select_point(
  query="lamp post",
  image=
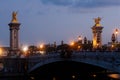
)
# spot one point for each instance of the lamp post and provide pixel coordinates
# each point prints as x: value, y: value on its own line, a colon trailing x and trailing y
x: 41, y: 46
x: 25, y: 50
x: 72, y: 43
x: 116, y: 33
x: 80, y: 39
x: 42, y: 51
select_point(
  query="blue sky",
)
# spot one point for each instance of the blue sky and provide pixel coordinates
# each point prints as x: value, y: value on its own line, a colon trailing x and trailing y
x: 46, y: 21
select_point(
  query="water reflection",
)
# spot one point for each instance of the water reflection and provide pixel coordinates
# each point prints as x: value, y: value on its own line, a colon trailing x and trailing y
x: 72, y: 77
x: 79, y: 77
x: 114, y: 76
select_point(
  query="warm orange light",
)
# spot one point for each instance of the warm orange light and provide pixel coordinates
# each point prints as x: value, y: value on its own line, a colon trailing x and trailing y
x: 78, y: 47
x: 116, y: 31
x: 73, y: 76
x: 25, y: 48
x: 94, y: 43
x: 42, y: 49
x: 115, y: 76
x: 94, y: 75
x: 41, y: 46
x: 112, y: 45
x: 72, y: 43
x: 1, y: 51
x: 97, y: 44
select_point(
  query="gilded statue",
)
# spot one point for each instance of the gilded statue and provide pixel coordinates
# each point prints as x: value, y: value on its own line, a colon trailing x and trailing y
x: 97, y: 21
x: 14, y: 17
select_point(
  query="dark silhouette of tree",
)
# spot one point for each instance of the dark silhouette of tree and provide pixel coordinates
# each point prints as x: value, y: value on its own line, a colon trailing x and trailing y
x: 64, y: 50
x: 32, y: 49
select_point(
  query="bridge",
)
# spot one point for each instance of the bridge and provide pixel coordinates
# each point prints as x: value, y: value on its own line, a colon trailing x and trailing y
x: 106, y: 60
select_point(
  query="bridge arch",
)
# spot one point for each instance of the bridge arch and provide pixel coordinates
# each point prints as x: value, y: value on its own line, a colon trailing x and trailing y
x: 66, y: 70
x: 97, y: 63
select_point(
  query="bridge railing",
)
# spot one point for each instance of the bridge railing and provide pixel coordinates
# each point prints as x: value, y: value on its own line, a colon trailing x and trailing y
x: 110, y: 57
x: 104, y: 56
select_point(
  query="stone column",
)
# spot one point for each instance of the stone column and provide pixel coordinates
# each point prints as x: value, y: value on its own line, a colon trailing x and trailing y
x: 97, y: 37
x: 14, y: 35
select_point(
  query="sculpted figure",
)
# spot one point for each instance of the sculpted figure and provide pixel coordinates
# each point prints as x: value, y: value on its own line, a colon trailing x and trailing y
x: 14, y: 17
x: 97, y: 21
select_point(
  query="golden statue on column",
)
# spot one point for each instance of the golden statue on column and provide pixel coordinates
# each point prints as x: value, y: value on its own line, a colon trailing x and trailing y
x: 97, y: 21
x: 14, y: 17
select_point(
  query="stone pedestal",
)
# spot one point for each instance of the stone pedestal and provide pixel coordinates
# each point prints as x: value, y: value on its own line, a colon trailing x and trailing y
x: 14, y: 38
x: 97, y: 38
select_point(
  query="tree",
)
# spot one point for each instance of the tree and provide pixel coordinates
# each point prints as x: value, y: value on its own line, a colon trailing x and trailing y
x: 32, y: 49
x: 65, y: 50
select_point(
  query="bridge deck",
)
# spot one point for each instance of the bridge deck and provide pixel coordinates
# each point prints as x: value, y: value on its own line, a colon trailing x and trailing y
x: 108, y: 60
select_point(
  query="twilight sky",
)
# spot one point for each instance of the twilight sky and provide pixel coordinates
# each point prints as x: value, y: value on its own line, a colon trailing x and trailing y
x: 46, y: 21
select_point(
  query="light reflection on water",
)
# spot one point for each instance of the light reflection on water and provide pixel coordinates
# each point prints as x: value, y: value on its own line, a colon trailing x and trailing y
x: 94, y: 77
x: 115, y: 76
x: 73, y: 77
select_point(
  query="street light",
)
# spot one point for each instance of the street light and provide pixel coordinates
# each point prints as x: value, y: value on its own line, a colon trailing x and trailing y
x: 25, y: 49
x: 41, y: 46
x: 80, y: 39
x: 73, y: 76
x: 72, y: 43
x: 42, y: 49
x: 116, y: 33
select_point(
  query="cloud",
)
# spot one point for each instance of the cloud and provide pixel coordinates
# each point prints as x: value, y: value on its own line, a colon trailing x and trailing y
x: 83, y: 3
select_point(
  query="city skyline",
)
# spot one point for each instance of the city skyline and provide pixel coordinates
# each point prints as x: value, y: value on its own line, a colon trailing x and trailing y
x: 45, y: 21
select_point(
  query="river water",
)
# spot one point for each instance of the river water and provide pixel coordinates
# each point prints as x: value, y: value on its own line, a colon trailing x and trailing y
x: 73, y: 77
